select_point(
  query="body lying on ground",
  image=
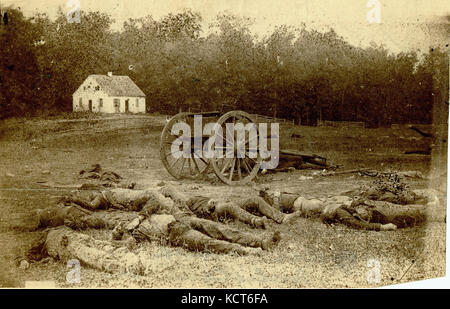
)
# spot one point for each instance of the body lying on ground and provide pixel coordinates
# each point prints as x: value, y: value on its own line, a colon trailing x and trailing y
x: 101, y: 178
x: 160, y: 219
x: 204, y: 207
x: 356, y: 212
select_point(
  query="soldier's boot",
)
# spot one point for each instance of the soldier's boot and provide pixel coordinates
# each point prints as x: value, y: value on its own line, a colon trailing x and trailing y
x: 271, y: 242
x: 171, y: 192
x: 259, y: 222
x: 289, y: 218
x: 252, y: 251
x: 118, y: 231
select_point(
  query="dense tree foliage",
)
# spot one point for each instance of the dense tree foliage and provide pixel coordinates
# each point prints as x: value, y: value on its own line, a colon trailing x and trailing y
x: 294, y: 73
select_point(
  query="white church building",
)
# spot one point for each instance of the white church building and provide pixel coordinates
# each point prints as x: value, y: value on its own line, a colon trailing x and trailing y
x: 109, y: 94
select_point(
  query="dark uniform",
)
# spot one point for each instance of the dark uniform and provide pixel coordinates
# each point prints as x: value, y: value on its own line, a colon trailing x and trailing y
x: 242, y: 210
x: 158, y: 219
x: 356, y: 213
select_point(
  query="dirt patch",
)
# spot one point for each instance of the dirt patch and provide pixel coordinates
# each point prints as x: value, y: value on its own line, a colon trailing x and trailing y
x: 310, y: 254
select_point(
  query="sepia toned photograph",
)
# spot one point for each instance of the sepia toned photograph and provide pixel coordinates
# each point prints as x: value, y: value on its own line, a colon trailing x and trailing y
x: 225, y: 144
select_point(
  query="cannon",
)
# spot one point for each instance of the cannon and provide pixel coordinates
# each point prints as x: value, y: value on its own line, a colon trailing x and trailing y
x: 230, y: 168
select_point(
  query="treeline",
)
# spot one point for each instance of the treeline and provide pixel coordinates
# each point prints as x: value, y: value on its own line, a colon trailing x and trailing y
x: 293, y: 73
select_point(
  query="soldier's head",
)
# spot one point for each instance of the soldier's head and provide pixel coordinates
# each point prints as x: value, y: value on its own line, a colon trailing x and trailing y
x: 36, y: 218
x: 361, y: 209
x: 208, y: 209
x: 211, y: 205
x: 270, y: 196
x: 363, y: 213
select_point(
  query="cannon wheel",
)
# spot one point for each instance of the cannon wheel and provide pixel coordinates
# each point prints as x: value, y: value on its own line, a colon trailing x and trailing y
x: 236, y: 171
x: 192, y: 167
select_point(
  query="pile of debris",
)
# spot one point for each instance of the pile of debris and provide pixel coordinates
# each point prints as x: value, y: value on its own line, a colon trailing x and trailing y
x: 374, y: 173
x: 388, y: 187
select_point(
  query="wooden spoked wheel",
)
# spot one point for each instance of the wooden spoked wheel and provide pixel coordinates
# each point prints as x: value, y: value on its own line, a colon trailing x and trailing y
x: 231, y: 168
x: 175, y: 163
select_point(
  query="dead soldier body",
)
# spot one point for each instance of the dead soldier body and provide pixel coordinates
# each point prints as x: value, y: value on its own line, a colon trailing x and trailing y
x: 242, y: 210
x: 193, y: 234
x: 137, y: 200
x: 78, y: 210
x: 356, y: 213
x: 171, y: 222
x: 203, y: 207
x: 183, y: 229
x: 99, y: 179
x: 159, y: 220
x: 118, y: 198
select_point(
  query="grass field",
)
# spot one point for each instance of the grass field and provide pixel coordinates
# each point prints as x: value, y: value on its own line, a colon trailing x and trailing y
x: 310, y: 254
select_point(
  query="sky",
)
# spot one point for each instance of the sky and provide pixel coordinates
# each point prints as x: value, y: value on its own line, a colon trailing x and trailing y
x: 404, y: 24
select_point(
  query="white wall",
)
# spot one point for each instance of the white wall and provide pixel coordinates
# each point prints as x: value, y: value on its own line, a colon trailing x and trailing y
x: 135, y: 105
x: 90, y: 93
x: 108, y: 102
x: 132, y: 106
